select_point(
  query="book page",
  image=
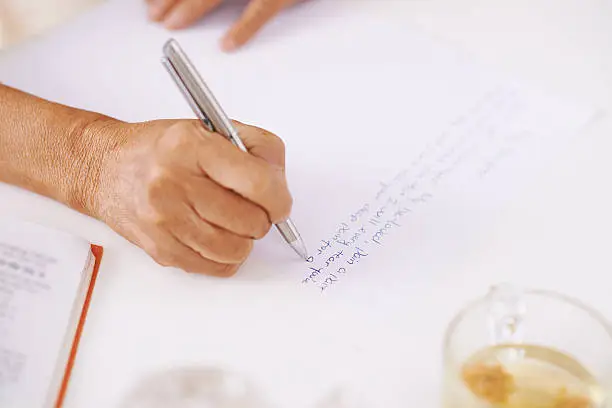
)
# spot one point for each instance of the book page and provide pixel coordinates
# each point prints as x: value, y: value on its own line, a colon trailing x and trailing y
x: 40, y: 275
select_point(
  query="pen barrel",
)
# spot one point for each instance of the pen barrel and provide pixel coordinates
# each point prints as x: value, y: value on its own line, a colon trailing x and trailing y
x: 200, y: 97
x: 236, y: 140
x: 288, y: 231
x: 210, y: 113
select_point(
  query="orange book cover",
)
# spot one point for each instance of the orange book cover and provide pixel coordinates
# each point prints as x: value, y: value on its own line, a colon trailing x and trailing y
x: 97, y: 253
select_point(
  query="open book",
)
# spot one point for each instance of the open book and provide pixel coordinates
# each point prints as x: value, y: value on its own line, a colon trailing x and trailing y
x: 46, y: 282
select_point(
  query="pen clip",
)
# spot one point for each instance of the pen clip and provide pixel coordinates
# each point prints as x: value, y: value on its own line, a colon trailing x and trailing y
x: 188, y: 96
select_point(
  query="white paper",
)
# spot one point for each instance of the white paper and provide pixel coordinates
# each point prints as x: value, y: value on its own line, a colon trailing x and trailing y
x: 475, y: 159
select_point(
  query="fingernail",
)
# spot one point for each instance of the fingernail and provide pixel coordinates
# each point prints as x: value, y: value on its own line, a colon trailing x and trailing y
x: 155, y: 12
x: 174, y: 20
x: 228, y: 44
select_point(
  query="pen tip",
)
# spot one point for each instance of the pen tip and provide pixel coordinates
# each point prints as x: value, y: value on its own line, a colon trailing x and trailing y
x: 300, y: 249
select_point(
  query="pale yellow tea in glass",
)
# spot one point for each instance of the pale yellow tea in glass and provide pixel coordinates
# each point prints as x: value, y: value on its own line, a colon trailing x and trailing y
x: 527, y: 349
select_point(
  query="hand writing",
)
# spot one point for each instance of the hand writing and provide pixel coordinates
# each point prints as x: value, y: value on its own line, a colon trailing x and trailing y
x: 189, y: 197
x: 177, y: 14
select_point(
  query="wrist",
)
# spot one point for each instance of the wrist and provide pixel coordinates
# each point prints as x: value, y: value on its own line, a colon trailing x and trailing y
x: 97, y: 142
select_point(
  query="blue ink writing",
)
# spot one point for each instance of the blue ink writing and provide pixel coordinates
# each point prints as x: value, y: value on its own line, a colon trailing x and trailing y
x: 356, y: 256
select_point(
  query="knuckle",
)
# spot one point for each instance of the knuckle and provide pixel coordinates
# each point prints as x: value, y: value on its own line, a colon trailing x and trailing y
x: 245, y: 249
x: 274, y: 148
x: 260, y: 180
x: 261, y: 225
x: 226, y: 247
x: 238, y: 249
x: 276, y: 142
x: 178, y: 138
x: 246, y: 219
x: 221, y: 270
x: 226, y: 270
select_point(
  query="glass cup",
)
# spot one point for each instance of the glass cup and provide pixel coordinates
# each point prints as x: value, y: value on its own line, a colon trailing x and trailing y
x: 518, y: 348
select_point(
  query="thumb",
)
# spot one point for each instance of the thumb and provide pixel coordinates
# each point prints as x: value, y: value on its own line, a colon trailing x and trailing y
x: 262, y: 143
x: 257, y: 14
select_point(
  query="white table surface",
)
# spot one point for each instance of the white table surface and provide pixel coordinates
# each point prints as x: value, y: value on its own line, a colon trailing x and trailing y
x: 559, y: 240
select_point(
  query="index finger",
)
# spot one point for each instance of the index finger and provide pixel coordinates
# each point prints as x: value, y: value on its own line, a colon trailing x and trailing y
x: 250, y: 176
x: 257, y: 14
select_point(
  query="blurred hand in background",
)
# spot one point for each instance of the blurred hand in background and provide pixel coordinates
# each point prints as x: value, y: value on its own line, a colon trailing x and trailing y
x: 177, y: 14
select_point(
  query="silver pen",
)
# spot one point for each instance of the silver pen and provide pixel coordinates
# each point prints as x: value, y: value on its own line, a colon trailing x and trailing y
x: 208, y: 110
